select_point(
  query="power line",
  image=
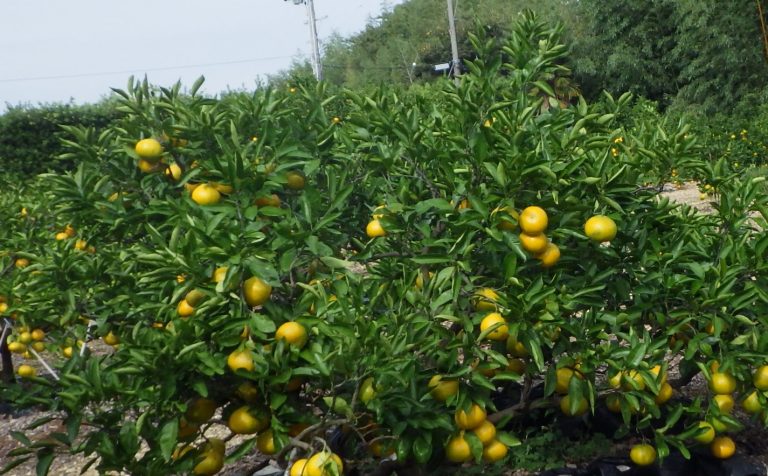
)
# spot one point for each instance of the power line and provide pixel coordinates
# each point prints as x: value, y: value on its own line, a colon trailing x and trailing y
x: 146, y: 70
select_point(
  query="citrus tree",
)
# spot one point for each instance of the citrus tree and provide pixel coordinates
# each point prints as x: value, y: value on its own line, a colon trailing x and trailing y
x: 338, y: 278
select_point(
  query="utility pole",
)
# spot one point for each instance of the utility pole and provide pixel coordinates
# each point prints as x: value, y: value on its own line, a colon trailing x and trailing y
x: 454, y: 45
x: 317, y: 67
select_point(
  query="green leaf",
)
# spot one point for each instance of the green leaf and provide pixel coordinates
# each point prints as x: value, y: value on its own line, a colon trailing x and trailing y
x: 44, y: 460
x: 168, y: 437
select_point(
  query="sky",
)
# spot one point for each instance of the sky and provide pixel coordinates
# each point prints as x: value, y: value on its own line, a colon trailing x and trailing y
x: 75, y: 50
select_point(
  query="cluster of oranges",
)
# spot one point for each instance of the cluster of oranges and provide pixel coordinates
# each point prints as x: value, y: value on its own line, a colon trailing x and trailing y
x: 80, y: 244
x: 458, y: 448
x: 22, y: 344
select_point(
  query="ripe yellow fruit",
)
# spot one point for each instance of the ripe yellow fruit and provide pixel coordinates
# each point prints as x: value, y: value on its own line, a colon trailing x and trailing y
x: 457, y: 449
x: 722, y: 447
x: 243, y: 422
x: 471, y: 420
x: 149, y: 167
x: 367, y: 390
x: 265, y: 442
x: 26, y: 371
x: 665, y: 393
x: 149, y: 149
x: 298, y: 468
x: 292, y: 333
x: 722, y: 383
x: 173, y: 172
x: 375, y: 229
x: 550, y: 256
x: 485, y: 299
x: 81, y: 245
x: 295, y: 180
x: 563, y: 378
x: 534, y: 244
x: 495, y: 451
x: 516, y: 365
x: 111, y: 339
x: 67, y: 352
x: 565, y: 406
x: 219, y: 274
x: 25, y: 337
x: 21, y: 263
x: 323, y: 464
x: 752, y: 404
x: 506, y: 224
x: 184, y: 309
x: 613, y: 402
x: 240, y: 360
x: 212, y: 458
x: 61, y: 236
x: 707, y: 434
x: 724, y: 403
x: 533, y: 220
x: 194, y: 297
x: 643, y: 454
x: 256, y: 291
x: 760, y: 378
x: 486, y: 432
x: 200, y: 410
x: 38, y: 346
x: 600, y: 228
x: 441, y: 390
x: 206, y: 194
x: 501, y: 332
x: 516, y: 348
x: 223, y: 188
x: 17, y: 347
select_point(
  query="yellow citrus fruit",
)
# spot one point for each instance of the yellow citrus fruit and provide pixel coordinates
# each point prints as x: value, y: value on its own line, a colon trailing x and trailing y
x: 471, y: 420
x: 374, y: 229
x: 298, y: 467
x: 752, y: 404
x: 295, y: 180
x: 760, y: 378
x: 26, y: 371
x: 223, y: 188
x: 516, y: 365
x: 534, y: 244
x: 665, y: 393
x: 81, y: 245
x: 292, y: 333
x: 25, y: 337
x: 70, y: 230
x: 486, y: 432
x: 722, y: 447
x: 505, y: 223
x: 200, y: 410
x: 550, y: 256
x: 656, y: 371
x: 38, y: 346
x: 256, y: 291
x: 206, y: 194
x: 247, y: 391
x: 722, y: 383
x: 194, y: 297
x: 149, y: 149
x: 21, y: 263
x: 643, y: 454
x: 600, y: 228
x: 457, y: 449
x: 17, y: 347
x: 67, y: 352
x: 184, y: 309
x: 148, y: 167
x: 533, y: 220
x: 268, y: 201
x: 495, y: 451
x: 419, y: 284
x: 501, y: 332
x: 173, y: 172
x: 187, y: 430
x: 111, y: 339
x: 61, y: 236
x: 724, y: 403
x: 211, y: 458
x: 243, y: 421
x: 323, y: 464
x: 707, y: 433
x: 367, y: 390
x: 37, y: 334
x: 265, y: 442
x: 442, y: 389
x: 219, y: 274
x: 563, y: 378
x: 485, y: 299
x: 516, y: 348
x: 240, y: 360
x: 565, y: 406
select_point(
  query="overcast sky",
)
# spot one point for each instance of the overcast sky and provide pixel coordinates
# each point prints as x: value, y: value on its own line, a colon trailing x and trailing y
x: 57, y: 50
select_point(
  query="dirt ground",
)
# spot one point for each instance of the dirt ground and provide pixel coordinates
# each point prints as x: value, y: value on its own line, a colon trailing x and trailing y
x: 753, y: 440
